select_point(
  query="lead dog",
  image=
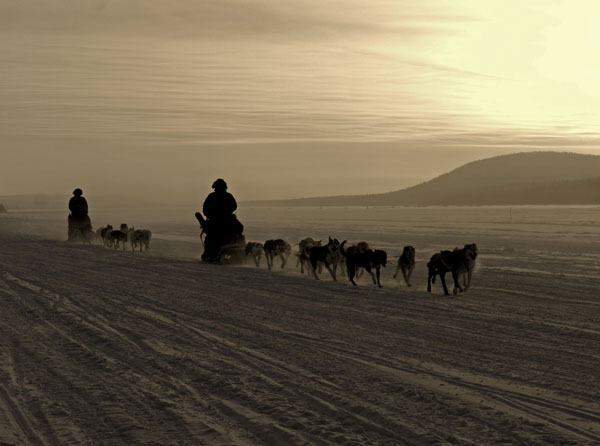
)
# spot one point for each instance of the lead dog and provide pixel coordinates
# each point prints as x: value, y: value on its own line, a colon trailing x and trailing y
x: 406, y: 263
x: 255, y: 249
x: 464, y: 265
x: 277, y: 248
x: 144, y: 236
x: 132, y: 239
x: 460, y: 262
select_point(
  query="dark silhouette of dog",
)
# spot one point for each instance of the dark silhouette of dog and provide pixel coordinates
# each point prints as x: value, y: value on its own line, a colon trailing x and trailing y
x: 104, y: 234
x: 256, y: 250
x: 277, y: 248
x: 459, y: 262
x: 359, y: 247
x: 406, y: 264
x: 464, y: 265
x: 119, y: 236
x: 139, y: 237
x: 133, y: 238
x: 303, y: 253
x: 369, y: 259
x: 327, y: 255
x: 440, y: 264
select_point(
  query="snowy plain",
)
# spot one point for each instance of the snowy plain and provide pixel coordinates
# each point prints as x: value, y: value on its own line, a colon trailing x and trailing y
x: 109, y: 347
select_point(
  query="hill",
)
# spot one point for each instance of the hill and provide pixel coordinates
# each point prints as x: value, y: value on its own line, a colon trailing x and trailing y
x: 520, y: 178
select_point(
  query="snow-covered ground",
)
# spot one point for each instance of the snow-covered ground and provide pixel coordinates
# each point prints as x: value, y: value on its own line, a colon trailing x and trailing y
x: 106, y: 347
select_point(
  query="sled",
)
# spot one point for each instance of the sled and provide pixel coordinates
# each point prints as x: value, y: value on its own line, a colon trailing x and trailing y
x: 231, y: 254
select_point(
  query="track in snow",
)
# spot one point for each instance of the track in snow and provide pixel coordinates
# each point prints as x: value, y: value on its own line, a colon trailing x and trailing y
x: 103, y: 347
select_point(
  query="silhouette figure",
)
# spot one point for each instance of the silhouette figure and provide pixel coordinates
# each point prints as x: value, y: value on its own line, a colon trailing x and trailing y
x: 80, y: 225
x: 220, y: 203
x: 222, y: 228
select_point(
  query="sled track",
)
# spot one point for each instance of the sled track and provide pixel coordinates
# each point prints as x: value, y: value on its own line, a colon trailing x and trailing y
x: 102, y: 347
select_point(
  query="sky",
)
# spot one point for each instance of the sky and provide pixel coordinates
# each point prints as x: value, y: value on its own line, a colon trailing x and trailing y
x: 157, y: 98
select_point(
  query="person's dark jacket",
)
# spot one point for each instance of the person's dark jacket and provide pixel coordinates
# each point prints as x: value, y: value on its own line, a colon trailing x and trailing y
x: 78, y: 206
x: 219, y: 204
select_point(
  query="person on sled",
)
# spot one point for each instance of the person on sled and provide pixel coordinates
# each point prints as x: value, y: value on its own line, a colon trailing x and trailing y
x: 220, y: 225
x: 80, y: 225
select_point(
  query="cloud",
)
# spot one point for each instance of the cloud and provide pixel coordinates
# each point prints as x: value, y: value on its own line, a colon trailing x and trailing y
x: 307, y: 20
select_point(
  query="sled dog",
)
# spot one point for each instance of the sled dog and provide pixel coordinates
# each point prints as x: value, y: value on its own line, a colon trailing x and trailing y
x: 303, y: 253
x: 327, y: 255
x: 406, y: 263
x: 369, y: 259
x: 464, y: 266
x: 119, y: 236
x: 277, y: 248
x: 459, y: 262
x: 255, y: 249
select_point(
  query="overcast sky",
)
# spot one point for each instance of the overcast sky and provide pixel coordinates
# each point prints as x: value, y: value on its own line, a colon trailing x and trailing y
x: 286, y: 98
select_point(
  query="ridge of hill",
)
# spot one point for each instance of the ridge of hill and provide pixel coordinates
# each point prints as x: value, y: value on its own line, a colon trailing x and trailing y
x: 519, y: 178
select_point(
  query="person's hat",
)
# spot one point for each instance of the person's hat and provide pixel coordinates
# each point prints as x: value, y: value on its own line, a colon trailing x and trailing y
x: 77, y: 192
x: 219, y: 184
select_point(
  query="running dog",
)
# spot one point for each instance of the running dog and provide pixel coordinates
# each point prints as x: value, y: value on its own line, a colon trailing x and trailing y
x: 133, y: 238
x: 459, y: 262
x: 369, y: 259
x: 327, y: 255
x: 98, y: 235
x: 119, y: 236
x: 464, y: 265
x: 104, y: 233
x: 440, y: 264
x: 361, y: 247
x: 256, y: 249
x: 143, y: 236
x: 406, y: 263
x: 139, y: 237
x: 277, y: 248
x: 303, y: 253
x: 378, y: 259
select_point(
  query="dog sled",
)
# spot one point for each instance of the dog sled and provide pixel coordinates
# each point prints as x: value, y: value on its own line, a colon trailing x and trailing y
x: 231, y: 253
x: 79, y: 229
x: 223, y: 241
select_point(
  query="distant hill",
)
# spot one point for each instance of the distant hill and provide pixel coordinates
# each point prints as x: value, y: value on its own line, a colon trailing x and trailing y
x: 2, y: 209
x: 520, y: 178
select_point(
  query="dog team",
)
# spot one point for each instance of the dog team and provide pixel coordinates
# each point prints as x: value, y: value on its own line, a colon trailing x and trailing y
x: 312, y: 256
x: 123, y: 237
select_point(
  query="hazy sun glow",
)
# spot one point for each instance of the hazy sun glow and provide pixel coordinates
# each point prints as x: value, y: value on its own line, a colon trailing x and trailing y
x: 537, y: 60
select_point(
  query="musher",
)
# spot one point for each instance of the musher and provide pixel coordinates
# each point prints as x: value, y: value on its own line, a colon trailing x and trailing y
x: 221, y: 225
x: 78, y: 220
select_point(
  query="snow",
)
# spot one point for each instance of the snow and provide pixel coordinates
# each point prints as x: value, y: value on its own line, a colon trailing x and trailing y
x: 109, y: 347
